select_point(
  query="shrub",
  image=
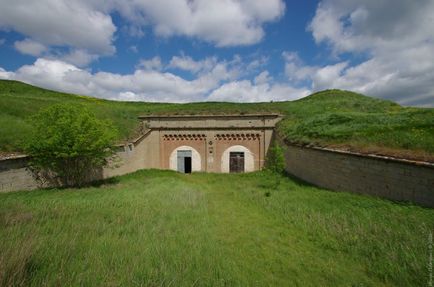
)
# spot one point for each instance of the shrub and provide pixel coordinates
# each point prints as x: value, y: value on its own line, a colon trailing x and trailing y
x: 68, y: 144
x: 275, y: 165
x: 276, y: 159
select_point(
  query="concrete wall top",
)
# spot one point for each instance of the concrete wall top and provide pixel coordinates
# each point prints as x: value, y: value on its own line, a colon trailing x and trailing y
x: 13, y: 162
x: 395, y: 179
x: 369, y: 156
x: 254, y: 121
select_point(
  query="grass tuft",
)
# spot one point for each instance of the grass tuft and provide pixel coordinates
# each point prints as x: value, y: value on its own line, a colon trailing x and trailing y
x: 17, y: 262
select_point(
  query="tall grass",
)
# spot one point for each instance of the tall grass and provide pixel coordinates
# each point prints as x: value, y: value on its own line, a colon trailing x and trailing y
x: 160, y: 228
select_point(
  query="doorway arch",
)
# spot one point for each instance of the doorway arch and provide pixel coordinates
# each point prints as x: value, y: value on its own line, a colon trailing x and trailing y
x: 249, y: 162
x: 196, y: 163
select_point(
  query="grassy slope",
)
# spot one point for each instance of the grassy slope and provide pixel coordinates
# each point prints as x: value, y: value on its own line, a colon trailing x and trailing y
x: 18, y: 101
x: 155, y: 228
x: 350, y: 120
x: 329, y: 118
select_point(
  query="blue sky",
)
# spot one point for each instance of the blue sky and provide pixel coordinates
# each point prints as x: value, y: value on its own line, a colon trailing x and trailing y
x: 221, y: 50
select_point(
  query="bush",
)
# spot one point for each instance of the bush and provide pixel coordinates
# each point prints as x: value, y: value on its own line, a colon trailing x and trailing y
x: 275, y: 165
x: 68, y: 144
x: 276, y: 159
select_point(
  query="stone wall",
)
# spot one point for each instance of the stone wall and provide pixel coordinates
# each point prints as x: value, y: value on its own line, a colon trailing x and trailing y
x: 393, y: 179
x: 141, y: 153
x: 14, y: 175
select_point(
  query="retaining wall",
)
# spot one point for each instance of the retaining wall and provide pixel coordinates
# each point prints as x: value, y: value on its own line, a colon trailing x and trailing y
x: 394, y: 179
x: 15, y: 176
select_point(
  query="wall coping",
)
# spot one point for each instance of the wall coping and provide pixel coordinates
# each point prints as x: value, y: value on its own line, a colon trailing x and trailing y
x: 13, y: 157
x: 212, y: 129
x: 237, y: 116
x: 136, y: 140
x: 367, y: 155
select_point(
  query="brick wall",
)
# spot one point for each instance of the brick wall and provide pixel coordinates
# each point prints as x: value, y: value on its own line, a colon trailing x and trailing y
x: 383, y: 177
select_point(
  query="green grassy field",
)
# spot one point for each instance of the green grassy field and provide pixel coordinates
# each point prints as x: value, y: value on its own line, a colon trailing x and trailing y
x: 160, y: 228
x: 330, y: 118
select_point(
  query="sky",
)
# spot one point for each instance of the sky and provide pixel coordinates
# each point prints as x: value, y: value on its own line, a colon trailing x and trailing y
x: 221, y: 50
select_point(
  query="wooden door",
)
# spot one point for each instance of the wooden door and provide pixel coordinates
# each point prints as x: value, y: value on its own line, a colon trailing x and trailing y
x: 236, y: 162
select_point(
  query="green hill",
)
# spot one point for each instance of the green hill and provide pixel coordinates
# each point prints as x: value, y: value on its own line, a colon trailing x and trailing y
x: 332, y: 118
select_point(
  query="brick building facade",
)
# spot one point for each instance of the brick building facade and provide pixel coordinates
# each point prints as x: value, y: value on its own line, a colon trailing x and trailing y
x: 205, y: 143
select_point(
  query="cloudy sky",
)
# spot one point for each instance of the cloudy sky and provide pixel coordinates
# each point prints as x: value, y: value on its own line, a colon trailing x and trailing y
x: 221, y: 50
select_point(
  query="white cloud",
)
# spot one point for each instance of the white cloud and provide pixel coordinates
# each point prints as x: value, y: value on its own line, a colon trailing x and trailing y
x: 144, y: 85
x: 295, y: 69
x: 86, y: 27
x: 133, y: 31
x: 49, y: 74
x: 328, y: 76
x: 30, y: 47
x: 257, y: 63
x: 398, y: 42
x: 151, y: 64
x: 60, y: 23
x: 353, y: 25
x: 5, y: 74
x: 78, y: 57
x: 186, y: 63
x: 262, y: 78
x: 220, y: 83
x: 223, y: 22
x: 245, y: 91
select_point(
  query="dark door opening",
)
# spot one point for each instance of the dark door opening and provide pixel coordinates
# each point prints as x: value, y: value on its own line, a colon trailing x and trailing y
x: 187, y: 164
x: 236, y: 162
x: 184, y: 161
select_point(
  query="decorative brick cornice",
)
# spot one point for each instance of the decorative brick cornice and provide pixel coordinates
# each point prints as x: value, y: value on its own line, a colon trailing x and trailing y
x: 178, y: 137
x: 238, y: 136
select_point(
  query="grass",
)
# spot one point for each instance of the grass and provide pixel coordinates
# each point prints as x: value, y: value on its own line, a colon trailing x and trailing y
x: 351, y: 121
x: 330, y: 118
x: 160, y: 228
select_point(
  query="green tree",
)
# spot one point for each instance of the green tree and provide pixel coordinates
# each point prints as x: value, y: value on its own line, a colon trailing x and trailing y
x: 68, y: 144
x: 276, y: 159
x: 275, y: 166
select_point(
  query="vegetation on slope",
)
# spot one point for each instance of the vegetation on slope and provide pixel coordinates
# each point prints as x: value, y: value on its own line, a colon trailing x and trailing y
x: 18, y: 101
x: 352, y: 121
x: 158, y: 228
x: 330, y: 118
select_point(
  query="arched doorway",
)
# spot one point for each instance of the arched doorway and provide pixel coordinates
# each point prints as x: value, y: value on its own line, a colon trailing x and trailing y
x: 237, y: 159
x: 185, y: 159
